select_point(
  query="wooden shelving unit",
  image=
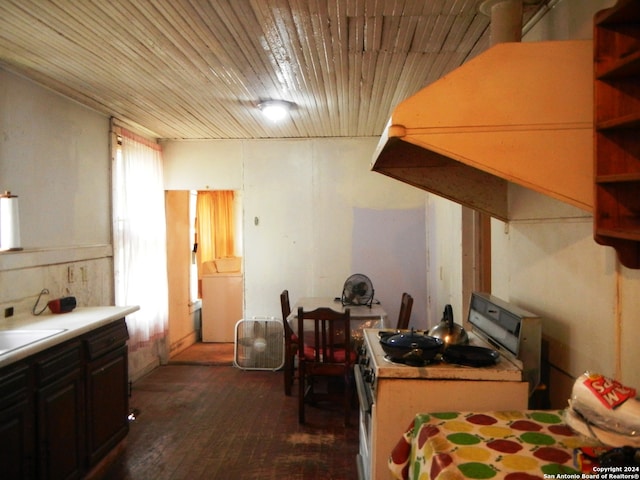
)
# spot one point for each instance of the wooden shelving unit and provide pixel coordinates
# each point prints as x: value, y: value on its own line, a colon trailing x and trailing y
x: 617, y: 130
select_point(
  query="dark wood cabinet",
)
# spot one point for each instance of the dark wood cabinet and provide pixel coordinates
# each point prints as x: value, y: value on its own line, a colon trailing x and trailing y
x: 16, y: 452
x: 107, y: 391
x: 64, y: 409
x: 16, y: 423
x: 60, y: 412
x: 617, y: 130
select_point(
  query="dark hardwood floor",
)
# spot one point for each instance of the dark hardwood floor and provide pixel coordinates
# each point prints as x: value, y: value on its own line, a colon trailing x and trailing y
x: 220, y: 422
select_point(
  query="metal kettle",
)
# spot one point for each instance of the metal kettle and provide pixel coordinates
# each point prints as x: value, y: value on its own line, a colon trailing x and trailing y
x: 449, y: 332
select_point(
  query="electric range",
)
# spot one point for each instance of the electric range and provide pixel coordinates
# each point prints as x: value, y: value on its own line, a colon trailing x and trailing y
x: 391, y: 394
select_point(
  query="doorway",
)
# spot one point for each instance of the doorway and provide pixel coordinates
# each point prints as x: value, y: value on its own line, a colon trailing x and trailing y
x: 183, y: 271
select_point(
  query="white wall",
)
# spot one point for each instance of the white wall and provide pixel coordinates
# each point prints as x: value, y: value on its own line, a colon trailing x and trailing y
x: 299, y: 198
x: 444, y: 257
x: 203, y: 165
x: 54, y: 154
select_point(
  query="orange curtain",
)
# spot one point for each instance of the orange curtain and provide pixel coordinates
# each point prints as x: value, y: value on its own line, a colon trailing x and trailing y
x: 215, y: 226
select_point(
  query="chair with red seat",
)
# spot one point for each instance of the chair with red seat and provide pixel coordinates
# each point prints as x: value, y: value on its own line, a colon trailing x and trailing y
x: 405, y: 311
x: 290, y: 344
x: 324, y: 351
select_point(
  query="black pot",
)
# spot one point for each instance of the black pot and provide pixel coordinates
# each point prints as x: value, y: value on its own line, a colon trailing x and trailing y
x: 411, y: 348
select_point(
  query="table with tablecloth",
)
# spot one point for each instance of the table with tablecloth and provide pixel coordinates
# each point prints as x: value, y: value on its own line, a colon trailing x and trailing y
x: 514, y: 445
x: 362, y: 316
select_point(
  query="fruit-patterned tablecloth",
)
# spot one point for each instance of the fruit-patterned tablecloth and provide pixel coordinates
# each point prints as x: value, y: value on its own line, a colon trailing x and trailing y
x: 518, y: 445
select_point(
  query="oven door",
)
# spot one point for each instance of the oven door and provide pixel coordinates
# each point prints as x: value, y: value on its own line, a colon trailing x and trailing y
x: 365, y: 395
x: 365, y: 402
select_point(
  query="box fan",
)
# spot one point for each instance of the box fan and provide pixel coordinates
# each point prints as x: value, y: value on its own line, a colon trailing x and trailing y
x: 259, y: 344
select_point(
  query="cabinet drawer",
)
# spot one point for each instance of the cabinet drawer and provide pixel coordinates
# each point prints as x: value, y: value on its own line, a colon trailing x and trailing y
x: 107, y: 338
x: 14, y: 384
x: 58, y: 363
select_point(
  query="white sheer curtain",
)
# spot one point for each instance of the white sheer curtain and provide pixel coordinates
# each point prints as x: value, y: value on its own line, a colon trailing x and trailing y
x: 140, y: 262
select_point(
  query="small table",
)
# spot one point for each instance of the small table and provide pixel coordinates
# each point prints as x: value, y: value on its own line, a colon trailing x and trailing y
x: 362, y: 316
x: 492, y: 445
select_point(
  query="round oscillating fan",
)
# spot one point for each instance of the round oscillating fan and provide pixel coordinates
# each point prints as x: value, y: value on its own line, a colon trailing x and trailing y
x: 357, y: 290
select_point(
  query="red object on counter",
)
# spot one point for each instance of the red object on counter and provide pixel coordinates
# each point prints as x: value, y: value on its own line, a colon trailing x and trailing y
x: 62, y: 305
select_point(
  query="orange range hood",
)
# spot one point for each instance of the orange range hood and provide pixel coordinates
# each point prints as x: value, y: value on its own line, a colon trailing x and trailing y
x: 519, y: 112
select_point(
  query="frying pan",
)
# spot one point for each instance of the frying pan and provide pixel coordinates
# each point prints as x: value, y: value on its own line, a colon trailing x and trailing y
x: 412, y: 348
x: 470, y: 355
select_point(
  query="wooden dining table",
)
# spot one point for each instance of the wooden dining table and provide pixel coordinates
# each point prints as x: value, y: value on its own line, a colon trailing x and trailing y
x: 362, y: 316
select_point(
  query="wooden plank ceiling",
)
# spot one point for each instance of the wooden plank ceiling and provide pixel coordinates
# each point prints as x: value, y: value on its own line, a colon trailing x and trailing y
x: 196, y: 69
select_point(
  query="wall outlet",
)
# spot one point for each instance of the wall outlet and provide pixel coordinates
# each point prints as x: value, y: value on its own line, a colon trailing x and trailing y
x: 70, y: 274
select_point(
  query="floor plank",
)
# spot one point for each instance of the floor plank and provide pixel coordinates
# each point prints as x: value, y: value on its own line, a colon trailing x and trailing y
x: 220, y: 422
x: 205, y: 353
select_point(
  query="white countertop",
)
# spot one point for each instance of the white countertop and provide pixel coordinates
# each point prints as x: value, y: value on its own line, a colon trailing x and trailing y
x: 81, y: 320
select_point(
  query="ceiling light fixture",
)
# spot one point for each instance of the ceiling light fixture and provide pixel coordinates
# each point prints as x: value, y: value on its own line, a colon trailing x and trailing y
x: 275, y: 110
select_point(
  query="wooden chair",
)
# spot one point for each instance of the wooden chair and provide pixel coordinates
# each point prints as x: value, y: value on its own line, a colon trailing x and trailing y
x: 290, y: 344
x: 405, y: 311
x: 324, y: 350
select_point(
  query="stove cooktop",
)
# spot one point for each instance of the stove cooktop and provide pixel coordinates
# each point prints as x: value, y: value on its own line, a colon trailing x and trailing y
x: 504, y: 370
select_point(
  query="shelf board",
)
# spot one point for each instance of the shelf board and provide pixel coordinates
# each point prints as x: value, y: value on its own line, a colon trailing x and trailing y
x: 611, y: 69
x: 628, y: 121
x: 39, y: 257
x: 619, y: 233
x: 618, y: 177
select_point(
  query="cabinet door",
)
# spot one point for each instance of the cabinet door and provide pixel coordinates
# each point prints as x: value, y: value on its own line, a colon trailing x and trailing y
x: 16, y: 441
x: 107, y: 403
x: 60, y: 428
x: 16, y: 423
x: 60, y: 412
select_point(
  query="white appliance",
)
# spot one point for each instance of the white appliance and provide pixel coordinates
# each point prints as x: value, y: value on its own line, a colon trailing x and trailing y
x: 514, y: 332
x: 391, y: 394
x: 222, y: 304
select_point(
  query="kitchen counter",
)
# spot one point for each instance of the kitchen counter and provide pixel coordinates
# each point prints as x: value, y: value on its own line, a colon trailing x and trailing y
x: 75, y: 323
x: 54, y: 388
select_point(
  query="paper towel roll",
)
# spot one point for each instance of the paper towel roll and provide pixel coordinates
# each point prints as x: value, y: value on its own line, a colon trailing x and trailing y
x: 9, y: 222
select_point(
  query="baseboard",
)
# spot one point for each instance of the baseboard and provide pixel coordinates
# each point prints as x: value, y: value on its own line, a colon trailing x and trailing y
x: 182, y: 344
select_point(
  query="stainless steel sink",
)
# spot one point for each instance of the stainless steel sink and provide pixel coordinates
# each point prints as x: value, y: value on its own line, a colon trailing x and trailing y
x: 14, y: 339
